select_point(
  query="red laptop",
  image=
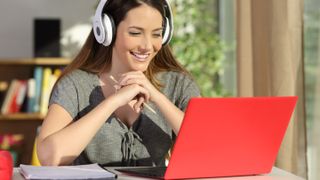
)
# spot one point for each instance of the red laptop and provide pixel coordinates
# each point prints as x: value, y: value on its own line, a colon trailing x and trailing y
x: 222, y: 137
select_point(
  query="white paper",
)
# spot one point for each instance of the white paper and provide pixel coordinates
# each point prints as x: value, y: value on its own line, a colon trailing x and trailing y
x: 91, y: 171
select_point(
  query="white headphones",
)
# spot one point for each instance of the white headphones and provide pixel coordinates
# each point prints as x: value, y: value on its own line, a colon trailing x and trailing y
x: 104, y: 27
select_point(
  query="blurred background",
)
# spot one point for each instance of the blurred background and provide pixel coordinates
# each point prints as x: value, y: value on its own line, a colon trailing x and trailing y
x: 232, y: 48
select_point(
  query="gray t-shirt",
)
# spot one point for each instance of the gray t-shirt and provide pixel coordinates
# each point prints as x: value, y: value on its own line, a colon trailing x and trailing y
x: 145, y: 143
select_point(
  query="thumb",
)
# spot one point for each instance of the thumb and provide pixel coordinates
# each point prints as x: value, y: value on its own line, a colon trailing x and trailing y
x: 139, y: 104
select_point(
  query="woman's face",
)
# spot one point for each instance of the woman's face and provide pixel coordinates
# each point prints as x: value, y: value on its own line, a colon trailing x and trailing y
x: 138, y: 39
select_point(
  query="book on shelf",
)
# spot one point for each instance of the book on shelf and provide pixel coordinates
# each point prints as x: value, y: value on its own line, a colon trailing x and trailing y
x: 19, y: 97
x: 30, y: 95
x: 15, y: 97
x: 49, y: 79
x: 10, y: 96
x: 38, y: 71
x: 45, y: 93
x: 3, y: 90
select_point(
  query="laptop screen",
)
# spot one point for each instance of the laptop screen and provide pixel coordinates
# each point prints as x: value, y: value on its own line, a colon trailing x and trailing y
x: 230, y: 136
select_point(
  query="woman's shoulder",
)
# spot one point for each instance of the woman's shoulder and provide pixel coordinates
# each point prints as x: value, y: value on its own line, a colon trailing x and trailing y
x: 173, y: 80
x: 79, y: 75
x: 79, y: 78
x: 175, y: 76
x: 179, y: 87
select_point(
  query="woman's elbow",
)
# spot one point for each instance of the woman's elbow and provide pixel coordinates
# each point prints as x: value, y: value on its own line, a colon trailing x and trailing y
x: 47, y: 153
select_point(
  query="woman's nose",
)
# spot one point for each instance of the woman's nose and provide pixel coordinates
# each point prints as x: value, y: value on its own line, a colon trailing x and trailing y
x: 146, y: 43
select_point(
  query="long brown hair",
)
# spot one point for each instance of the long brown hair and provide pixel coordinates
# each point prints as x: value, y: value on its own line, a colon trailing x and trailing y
x: 96, y: 58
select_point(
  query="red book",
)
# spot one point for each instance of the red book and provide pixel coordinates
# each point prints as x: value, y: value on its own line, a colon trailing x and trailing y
x: 21, y: 95
x: 13, y: 107
x: 6, y: 106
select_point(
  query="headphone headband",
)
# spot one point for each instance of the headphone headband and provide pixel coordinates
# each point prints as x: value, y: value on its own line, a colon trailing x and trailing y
x: 104, y: 28
x: 100, y: 7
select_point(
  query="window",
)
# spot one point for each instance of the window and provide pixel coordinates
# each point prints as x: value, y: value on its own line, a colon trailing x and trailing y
x: 204, y: 43
x: 227, y: 30
x: 312, y: 84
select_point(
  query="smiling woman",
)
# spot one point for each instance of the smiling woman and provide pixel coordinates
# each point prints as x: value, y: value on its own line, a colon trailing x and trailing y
x: 137, y: 41
x: 129, y: 42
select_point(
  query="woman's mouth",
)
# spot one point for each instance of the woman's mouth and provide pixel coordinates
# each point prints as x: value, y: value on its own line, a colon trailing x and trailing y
x: 140, y: 57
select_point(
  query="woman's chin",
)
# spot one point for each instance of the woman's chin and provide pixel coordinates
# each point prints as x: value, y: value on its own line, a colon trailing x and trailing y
x: 139, y: 66
x: 142, y: 69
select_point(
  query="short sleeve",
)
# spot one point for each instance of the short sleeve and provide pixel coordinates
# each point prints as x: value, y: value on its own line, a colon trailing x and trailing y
x: 65, y: 94
x: 189, y: 89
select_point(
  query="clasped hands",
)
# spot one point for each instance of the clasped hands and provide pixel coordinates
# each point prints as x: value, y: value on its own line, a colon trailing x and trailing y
x: 134, y: 86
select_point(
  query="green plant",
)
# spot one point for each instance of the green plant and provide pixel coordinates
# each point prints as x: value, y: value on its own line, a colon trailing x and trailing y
x: 196, y: 43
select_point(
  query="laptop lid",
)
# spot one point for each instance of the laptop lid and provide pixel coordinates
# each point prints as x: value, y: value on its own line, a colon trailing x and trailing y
x: 230, y: 136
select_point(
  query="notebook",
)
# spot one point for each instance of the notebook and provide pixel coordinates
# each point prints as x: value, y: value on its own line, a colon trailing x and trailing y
x: 79, y: 172
x: 223, y: 137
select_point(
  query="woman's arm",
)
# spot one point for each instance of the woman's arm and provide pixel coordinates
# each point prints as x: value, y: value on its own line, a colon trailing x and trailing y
x: 170, y: 111
x: 61, y: 140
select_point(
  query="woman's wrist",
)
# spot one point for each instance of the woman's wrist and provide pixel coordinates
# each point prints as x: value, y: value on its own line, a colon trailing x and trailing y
x: 157, y: 97
x: 112, y: 103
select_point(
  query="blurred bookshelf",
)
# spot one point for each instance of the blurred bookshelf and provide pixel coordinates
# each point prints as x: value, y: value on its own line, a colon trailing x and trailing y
x: 36, y: 61
x: 20, y: 118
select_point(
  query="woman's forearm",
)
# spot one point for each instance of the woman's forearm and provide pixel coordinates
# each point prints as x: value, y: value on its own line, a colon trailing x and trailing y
x: 64, y: 145
x: 171, y: 113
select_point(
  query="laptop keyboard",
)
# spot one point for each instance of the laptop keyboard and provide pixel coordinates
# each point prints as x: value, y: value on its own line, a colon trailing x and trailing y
x: 155, y: 172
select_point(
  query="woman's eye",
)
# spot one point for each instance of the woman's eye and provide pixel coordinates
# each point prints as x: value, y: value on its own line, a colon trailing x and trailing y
x: 134, y: 33
x: 157, y: 35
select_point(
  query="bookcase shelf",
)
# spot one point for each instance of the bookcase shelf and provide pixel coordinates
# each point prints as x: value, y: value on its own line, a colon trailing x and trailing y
x: 35, y: 61
x: 22, y: 123
x: 22, y: 116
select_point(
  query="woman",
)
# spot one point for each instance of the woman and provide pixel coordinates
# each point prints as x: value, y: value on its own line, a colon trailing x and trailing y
x: 96, y: 112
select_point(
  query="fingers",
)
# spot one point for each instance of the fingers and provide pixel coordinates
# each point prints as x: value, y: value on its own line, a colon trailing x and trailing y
x: 135, y: 77
x: 142, y: 92
x: 130, y: 92
x: 134, y: 81
x: 139, y: 104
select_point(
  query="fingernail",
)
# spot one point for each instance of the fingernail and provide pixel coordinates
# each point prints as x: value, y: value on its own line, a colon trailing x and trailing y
x: 117, y: 87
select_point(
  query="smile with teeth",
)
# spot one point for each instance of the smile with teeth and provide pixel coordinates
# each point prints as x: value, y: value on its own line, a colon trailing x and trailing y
x: 141, y: 57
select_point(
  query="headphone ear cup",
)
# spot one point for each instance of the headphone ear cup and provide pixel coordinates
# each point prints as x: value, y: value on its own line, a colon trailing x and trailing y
x: 98, y: 29
x: 166, y: 32
x: 109, y: 29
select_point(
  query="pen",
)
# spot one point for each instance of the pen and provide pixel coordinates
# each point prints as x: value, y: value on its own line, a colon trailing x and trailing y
x: 145, y: 104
